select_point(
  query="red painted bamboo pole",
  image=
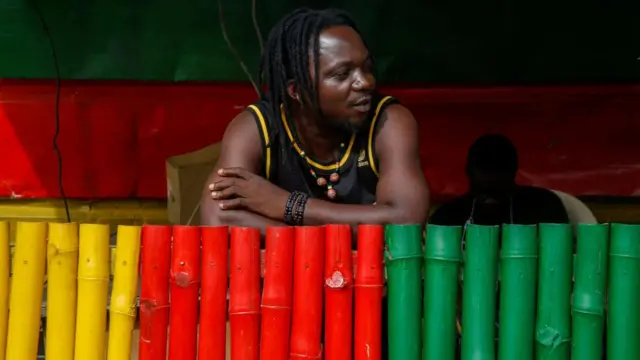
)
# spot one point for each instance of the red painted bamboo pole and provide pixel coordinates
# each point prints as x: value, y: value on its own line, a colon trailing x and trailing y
x: 308, y: 266
x: 213, y: 293
x: 154, y: 292
x: 244, y: 293
x: 277, y: 295
x: 185, y: 281
x: 369, y: 287
x: 338, y: 293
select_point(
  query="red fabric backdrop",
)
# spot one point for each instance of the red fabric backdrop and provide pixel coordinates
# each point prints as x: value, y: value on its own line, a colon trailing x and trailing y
x: 115, y: 136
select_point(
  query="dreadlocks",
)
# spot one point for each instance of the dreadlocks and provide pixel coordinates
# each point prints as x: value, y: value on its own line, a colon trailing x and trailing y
x: 286, y: 56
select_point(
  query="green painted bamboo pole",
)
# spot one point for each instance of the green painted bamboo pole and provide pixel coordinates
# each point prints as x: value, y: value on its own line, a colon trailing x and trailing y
x: 441, y: 274
x: 553, y: 327
x: 403, y: 258
x: 589, y: 292
x: 518, y: 274
x: 479, y: 293
x: 623, y: 327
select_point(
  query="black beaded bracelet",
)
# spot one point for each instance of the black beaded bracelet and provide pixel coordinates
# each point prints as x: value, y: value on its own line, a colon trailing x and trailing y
x: 298, y: 209
x: 288, y: 210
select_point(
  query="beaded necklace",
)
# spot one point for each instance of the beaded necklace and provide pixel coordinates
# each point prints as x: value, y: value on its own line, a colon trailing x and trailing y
x: 320, y: 180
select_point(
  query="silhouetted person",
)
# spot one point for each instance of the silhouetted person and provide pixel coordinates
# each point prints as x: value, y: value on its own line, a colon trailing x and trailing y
x: 494, y: 197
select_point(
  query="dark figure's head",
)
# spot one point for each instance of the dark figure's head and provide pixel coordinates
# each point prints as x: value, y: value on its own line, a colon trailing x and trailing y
x: 316, y: 61
x: 492, y: 165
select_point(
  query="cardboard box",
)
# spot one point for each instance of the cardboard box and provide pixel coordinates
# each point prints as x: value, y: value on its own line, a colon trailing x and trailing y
x: 186, y: 178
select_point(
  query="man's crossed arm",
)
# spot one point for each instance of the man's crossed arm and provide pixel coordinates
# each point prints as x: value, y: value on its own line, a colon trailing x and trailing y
x: 236, y: 195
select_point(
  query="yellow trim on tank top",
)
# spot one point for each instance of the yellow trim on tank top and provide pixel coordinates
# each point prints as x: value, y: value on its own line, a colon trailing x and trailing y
x: 370, y: 149
x: 267, y: 142
x: 344, y: 159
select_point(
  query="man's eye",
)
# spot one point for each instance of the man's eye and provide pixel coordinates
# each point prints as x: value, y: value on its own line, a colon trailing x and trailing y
x: 342, y: 75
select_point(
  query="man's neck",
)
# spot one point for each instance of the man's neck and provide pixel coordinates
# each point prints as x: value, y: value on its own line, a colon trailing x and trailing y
x: 503, y: 194
x: 320, y: 142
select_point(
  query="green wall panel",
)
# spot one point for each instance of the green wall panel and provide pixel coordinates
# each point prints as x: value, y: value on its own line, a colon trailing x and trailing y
x: 490, y: 41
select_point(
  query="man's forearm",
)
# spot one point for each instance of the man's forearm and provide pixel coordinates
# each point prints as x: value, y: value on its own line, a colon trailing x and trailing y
x: 243, y: 218
x: 249, y: 219
x: 319, y: 212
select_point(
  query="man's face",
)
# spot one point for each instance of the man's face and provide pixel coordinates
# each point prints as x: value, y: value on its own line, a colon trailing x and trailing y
x: 495, y: 186
x: 345, y: 79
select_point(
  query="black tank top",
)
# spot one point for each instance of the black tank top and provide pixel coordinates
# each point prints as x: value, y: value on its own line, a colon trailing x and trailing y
x: 284, y: 166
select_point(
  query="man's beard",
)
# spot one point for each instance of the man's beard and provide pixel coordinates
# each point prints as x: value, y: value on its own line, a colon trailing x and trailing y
x: 342, y: 125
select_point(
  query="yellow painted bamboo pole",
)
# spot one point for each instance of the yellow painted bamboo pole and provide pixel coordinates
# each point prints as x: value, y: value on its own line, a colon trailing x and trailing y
x: 5, y: 269
x: 122, y: 313
x: 62, y: 272
x: 29, y: 261
x: 93, y: 287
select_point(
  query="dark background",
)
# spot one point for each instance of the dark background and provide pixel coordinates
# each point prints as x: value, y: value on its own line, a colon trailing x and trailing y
x: 493, y: 42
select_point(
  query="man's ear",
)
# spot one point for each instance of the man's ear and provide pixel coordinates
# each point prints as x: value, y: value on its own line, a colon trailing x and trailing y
x: 292, y: 92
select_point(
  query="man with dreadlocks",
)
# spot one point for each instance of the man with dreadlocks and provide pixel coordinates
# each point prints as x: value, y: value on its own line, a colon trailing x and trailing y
x: 322, y: 146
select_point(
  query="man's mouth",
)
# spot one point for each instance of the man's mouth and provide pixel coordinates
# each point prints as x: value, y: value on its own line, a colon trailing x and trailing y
x: 362, y: 105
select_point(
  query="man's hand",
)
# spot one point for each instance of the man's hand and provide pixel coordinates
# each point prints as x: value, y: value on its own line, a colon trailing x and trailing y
x: 241, y: 189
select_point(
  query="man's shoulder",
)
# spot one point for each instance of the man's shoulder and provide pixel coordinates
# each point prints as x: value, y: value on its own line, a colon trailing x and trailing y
x: 460, y: 201
x: 261, y: 108
x: 547, y: 206
x: 393, y: 118
x: 243, y: 143
x: 385, y: 105
x: 453, y: 212
x: 537, y: 193
x: 384, y: 99
x: 389, y: 108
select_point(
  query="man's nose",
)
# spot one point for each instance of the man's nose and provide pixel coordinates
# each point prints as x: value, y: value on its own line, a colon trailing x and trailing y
x: 363, y: 81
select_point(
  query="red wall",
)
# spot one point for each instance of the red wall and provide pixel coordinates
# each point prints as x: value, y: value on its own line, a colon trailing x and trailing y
x: 115, y: 137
